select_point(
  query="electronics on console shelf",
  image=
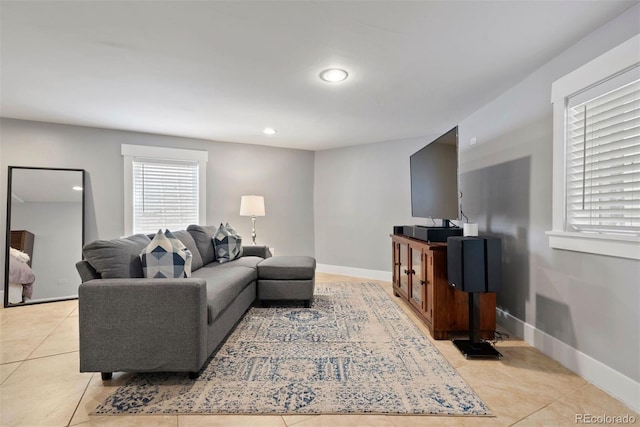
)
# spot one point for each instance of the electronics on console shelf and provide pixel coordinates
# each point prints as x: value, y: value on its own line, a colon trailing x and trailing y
x: 427, y: 234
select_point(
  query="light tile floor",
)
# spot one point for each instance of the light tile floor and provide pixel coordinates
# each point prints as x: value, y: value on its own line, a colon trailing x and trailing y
x: 40, y: 384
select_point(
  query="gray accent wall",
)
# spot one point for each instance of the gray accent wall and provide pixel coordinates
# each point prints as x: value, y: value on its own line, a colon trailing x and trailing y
x: 588, y: 302
x: 283, y: 176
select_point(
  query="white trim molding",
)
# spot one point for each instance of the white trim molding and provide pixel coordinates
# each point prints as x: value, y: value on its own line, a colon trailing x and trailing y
x: 613, y: 382
x: 610, y: 63
x: 602, y: 244
x: 354, y: 272
x: 621, y: 58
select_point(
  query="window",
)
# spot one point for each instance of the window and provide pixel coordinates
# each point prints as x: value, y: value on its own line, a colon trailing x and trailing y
x: 603, y: 157
x: 164, y: 188
x: 596, y: 201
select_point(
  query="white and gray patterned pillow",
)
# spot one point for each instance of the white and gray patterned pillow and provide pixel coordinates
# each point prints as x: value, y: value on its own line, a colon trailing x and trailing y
x: 166, y: 257
x: 230, y: 229
x: 227, y: 243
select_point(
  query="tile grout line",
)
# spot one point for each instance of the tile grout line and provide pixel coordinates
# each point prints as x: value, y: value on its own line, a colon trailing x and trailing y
x: 12, y: 372
x: 73, y: 414
x: 532, y: 413
x: 21, y: 362
x: 300, y: 421
x: 51, y: 355
x: 42, y: 342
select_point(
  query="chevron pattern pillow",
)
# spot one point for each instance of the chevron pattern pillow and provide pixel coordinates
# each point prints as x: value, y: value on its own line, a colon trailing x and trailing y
x: 166, y: 257
x: 227, y: 243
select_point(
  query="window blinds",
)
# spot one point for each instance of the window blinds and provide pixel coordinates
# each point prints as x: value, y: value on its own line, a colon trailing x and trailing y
x: 603, y: 157
x: 165, y: 195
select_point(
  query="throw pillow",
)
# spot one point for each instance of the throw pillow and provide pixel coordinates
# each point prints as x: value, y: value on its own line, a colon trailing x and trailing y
x: 117, y: 258
x: 231, y: 229
x: 185, y: 237
x: 203, y: 236
x: 166, y: 257
x: 228, y: 245
x: 235, y: 233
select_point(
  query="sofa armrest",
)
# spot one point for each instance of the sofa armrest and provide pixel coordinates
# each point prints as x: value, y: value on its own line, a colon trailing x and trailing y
x: 261, y: 251
x: 86, y: 271
x: 142, y: 325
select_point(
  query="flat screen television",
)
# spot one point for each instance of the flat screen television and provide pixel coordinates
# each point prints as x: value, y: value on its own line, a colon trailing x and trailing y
x: 434, y: 179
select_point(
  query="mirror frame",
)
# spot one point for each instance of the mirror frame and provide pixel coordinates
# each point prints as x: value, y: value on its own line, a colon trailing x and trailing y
x: 8, y: 231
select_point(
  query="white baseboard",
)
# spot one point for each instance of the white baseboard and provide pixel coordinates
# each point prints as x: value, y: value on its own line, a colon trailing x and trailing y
x: 613, y: 382
x: 355, y: 272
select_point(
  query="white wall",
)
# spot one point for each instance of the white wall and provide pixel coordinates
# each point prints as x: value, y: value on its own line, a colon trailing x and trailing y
x: 283, y: 176
x: 581, y: 309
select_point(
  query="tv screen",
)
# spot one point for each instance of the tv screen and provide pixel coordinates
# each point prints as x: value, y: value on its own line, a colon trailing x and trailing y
x: 434, y: 179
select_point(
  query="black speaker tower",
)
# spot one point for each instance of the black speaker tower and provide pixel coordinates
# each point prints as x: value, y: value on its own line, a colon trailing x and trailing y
x: 474, y: 265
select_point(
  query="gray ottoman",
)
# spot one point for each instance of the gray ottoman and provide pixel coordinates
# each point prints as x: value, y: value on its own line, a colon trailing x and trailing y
x: 286, y: 278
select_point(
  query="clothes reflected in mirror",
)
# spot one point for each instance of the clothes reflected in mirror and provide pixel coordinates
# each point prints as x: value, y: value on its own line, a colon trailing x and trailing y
x: 21, y: 277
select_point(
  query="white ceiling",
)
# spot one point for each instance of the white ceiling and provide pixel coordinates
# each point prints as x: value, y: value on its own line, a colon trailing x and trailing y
x: 224, y: 70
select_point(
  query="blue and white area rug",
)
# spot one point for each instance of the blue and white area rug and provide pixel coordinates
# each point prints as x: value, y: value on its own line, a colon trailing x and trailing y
x: 353, y: 352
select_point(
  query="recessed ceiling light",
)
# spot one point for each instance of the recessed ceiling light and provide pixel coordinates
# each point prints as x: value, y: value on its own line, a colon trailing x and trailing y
x: 333, y: 75
x: 269, y: 131
x: 77, y: 188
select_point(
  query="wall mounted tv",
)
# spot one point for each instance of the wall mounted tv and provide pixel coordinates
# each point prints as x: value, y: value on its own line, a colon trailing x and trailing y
x: 434, y: 179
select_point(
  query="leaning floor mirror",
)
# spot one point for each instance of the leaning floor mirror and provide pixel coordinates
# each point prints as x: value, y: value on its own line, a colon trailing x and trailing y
x: 45, y: 234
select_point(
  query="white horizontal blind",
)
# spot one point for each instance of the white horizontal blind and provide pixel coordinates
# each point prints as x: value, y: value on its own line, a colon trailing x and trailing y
x: 165, y: 194
x: 603, y: 159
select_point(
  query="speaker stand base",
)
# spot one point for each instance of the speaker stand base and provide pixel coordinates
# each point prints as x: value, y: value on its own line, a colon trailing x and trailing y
x: 477, y: 350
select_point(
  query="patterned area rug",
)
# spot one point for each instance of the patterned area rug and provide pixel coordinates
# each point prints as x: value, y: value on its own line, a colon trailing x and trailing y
x: 353, y: 352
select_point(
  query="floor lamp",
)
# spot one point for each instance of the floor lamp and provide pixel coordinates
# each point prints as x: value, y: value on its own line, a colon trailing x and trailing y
x: 252, y: 206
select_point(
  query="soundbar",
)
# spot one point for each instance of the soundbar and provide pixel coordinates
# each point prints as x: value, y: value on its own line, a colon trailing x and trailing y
x: 427, y: 234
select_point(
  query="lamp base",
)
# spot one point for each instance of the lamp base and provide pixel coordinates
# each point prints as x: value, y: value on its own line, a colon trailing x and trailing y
x: 253, y: 230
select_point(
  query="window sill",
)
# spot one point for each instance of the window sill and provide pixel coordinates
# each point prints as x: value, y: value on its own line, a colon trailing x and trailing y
x: 617, y: 246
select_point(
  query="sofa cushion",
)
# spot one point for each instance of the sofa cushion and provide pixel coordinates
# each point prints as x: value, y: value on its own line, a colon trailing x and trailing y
x: 245, y: 261
x: 185, y: 237
x: 203, y: 236
x: 224, y: 283
x: 166, y: 257
x: 117, y: 258
x: 287, y: 268
x: 228, y: 246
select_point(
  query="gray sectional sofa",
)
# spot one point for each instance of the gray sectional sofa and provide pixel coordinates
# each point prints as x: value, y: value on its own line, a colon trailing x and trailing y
x: 134, y: 324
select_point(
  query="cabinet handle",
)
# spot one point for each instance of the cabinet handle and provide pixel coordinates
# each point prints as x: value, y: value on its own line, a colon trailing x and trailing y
x: 422, y: 282
x: 413, y: 272
x: 406, y: 271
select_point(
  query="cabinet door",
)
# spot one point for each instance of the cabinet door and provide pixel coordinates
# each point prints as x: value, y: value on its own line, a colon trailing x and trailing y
x: 404, y: 269
x: 395, y: 268
x: 417, y: 279
x: 429, y: 286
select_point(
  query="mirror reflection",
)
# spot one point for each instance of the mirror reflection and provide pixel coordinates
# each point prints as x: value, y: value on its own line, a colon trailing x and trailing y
x: 45, y: 234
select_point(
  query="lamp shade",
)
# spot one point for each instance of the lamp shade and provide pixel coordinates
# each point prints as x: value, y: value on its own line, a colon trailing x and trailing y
x: 252, y: 206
